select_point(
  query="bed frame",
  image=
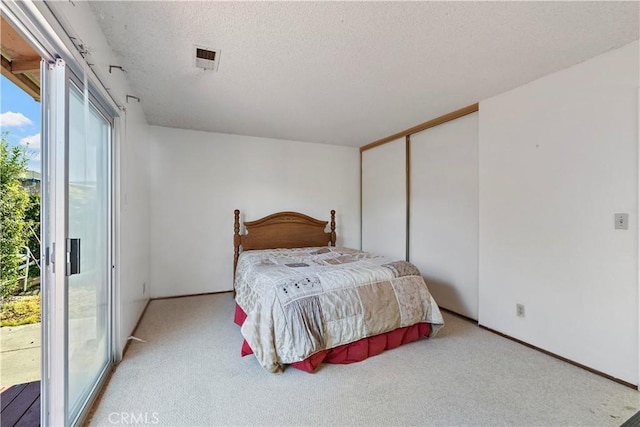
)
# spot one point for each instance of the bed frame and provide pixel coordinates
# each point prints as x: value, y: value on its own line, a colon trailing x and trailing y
x: 282, y: 230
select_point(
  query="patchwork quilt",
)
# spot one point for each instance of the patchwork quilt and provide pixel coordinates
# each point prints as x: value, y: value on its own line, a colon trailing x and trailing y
x: 301, y: 301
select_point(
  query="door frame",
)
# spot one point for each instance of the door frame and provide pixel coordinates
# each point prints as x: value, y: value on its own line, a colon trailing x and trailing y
x: 55, y: 337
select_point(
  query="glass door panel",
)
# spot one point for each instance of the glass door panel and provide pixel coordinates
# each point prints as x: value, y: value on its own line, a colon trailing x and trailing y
x: 89, y: 221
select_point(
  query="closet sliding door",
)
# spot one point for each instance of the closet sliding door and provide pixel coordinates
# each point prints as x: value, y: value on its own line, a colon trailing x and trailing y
x: 444, y: 212
x: 384, y: 199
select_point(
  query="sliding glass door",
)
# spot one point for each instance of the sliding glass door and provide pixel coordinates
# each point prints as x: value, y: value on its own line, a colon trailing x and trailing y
x: 78, y: 282
x: 89, y: 204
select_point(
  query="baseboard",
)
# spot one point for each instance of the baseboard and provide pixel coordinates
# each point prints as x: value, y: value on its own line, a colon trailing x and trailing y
x: 548, y: 353
x: 462, y: 316
x: 193, y: 295
x: 126, y: 346
x: 564, y: 359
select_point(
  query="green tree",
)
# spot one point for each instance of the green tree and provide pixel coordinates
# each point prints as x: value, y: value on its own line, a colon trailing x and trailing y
x: 14, y: 202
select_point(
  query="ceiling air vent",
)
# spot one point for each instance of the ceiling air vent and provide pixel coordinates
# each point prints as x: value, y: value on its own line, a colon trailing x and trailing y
x: 207, y: 59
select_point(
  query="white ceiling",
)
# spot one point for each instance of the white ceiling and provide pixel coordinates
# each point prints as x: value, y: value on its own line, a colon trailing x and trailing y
x: 346, y: 73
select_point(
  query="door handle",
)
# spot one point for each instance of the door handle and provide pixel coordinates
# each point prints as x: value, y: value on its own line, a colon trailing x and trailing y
x: 73, y: 256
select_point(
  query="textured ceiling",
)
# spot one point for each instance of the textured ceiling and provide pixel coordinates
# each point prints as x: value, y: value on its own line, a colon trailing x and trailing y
x: 346, y: 73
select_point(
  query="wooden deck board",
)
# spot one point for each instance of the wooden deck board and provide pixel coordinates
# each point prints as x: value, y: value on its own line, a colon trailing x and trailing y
x: 21, y: 405
x: 32, y: 417
x: 10, y: 393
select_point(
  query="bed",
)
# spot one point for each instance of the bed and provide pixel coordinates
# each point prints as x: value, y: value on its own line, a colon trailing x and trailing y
x: 302, y: 301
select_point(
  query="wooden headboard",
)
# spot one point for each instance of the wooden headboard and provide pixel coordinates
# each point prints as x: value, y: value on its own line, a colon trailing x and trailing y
x: 282, y: 230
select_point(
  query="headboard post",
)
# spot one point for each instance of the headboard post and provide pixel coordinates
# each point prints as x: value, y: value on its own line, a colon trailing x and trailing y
x: 333, y: 228
x: 236, y: 241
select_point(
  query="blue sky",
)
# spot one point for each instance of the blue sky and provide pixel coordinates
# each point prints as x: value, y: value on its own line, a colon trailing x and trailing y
x: 20, y: 116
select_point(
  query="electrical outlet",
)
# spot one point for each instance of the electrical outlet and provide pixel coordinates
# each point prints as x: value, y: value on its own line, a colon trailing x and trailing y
x: 520, y: 310
x: 621, y: 221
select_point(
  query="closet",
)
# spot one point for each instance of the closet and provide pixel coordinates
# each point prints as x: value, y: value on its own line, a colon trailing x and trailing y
x: 420, y: 203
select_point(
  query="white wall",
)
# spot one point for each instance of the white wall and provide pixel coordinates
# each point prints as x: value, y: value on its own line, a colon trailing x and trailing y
x: 199, y: 178
x: 134, y: 232
x: 132, y: 176
x: 558, y: 157
x: 444, y: 212
x: 384, y: 199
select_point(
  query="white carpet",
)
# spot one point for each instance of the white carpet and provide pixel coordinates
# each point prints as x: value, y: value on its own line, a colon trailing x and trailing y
x: 189, y: 372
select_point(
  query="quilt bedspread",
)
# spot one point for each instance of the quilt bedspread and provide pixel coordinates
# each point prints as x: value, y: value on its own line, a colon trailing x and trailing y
x: 301, y: 301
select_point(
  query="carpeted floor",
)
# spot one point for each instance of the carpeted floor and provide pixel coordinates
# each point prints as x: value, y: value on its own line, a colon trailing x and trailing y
x: 189, y: 372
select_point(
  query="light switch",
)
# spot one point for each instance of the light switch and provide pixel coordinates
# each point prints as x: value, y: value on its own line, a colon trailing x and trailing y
x: 621, y: 221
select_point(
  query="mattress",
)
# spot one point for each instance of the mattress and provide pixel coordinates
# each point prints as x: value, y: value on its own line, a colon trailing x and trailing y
x: 302, y: 302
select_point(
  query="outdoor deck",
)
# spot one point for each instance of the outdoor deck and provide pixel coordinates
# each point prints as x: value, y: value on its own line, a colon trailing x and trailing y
x: 21, y: 405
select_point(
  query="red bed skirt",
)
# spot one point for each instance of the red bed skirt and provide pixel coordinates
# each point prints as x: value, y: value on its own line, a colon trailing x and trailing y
x: 353, y: 352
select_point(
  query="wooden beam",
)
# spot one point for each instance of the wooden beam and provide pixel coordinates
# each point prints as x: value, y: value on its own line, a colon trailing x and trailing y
x: 426, y: 125
x: 20, y: 80
x: 25, y: 65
